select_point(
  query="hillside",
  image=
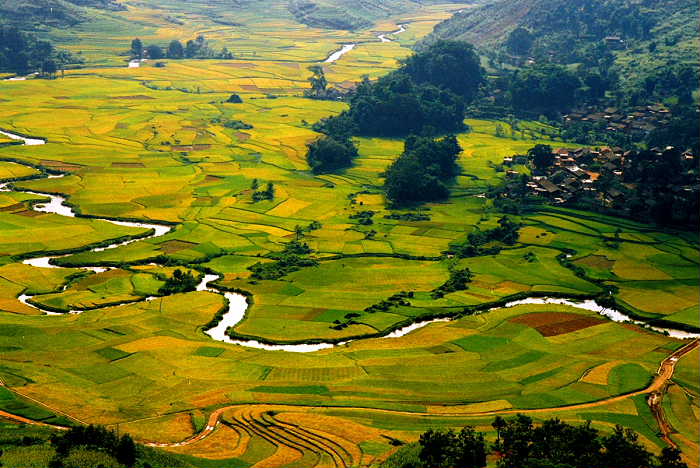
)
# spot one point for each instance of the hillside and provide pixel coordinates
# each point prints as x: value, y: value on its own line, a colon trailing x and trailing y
x: 349, y: 14
x: 54, y: 13
x: 651, y: 33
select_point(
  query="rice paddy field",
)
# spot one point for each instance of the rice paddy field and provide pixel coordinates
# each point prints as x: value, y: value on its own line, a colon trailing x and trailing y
x: 151, y: 143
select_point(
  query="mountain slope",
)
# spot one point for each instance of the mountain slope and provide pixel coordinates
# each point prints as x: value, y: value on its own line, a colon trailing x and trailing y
x: 54, y: 13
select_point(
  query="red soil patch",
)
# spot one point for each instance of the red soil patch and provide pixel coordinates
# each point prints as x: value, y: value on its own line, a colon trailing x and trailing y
x: 213, y: 178
x: 556, y: 323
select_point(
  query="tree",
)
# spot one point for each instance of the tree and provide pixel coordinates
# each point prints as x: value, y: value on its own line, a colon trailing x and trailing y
x: 328, y: 154
x: 125, y: 452
x: 451, y: 65
x: 519, y: 41
x: 137, y: 49
x: 175, y: 50
x: 49, y: 68
x: 470, y: 449
x: 671, y: 458
x: 419, y: 174
x: 541, y: 156
x: 154, y: 52
x: 623, y: 450
x: 318, y: 79
x: 516, y: 439
x: 436, y: 447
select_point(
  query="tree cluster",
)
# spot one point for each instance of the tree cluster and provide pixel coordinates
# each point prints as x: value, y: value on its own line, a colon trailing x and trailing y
x: 94, y: 438
x: 197, y: 48
x: 422, y: 171
x: 23, y: 53
x: 293, y: 258
x: 478, y: 241
x: 522, y: 444
x: 543, y: 89
x: 426, y: 95
x: 330, y: 154
x: 459, y: 281
x: 554, y: 443
x: 178, y: 283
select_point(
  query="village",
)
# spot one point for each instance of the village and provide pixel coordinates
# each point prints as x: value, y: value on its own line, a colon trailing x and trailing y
x: 576, y: 173
x: 638, y: 120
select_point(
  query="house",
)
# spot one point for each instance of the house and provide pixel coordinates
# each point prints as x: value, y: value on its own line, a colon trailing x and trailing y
x: 614, y: 42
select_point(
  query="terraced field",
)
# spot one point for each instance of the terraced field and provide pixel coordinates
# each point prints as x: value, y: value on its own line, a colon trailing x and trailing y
x: 153, y: 144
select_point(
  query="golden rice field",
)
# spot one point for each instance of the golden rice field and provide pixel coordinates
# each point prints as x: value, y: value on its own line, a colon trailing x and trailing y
x: 151, y: 143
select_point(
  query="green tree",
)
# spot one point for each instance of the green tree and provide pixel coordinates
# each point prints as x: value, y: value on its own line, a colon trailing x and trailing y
x: 175, y: 50
x: 469, y: 450
x: 154, y: 52
x: 519, y: 41
x: 136, y: 49
x: 623, y: 450
x: 436, y: 447
x: 671, y: 458
x: 541, y: 156
x: 329, y: 154
x: 318, y: 79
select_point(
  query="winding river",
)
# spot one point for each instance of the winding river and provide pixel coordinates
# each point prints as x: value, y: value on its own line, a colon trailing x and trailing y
x: 348, y: 47
x: 237, y: 303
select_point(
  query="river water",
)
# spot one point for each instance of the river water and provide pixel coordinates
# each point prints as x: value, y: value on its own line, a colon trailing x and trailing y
x: 237, y: 303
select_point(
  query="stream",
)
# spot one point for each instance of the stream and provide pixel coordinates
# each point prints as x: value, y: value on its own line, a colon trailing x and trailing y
x: 237, y: 303
x: 383, y: 37
x: 348, y: 47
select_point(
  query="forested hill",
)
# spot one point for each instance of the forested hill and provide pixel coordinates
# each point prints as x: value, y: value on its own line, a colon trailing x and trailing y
x: 563, y: 30
x: 56, y: 13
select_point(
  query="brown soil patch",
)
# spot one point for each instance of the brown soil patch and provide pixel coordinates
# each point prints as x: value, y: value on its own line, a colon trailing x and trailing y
x: 291, y: 65
x: 556, y: 323
x: 596, y: 261
x: 441, y: 349
x: 15, y: 207
x: 311, y: 316
x: 60, y: 165
x: 61, y: 97
x: 173, y: 246
x: 127, y: 165
x: 29, y: 213
x: 213, y: 178
x: 242, y: 136
x: 189, y: 147
x: 248, y: 87
x: 137, y: 97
